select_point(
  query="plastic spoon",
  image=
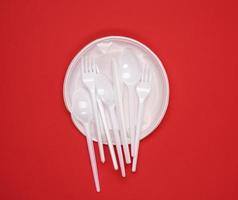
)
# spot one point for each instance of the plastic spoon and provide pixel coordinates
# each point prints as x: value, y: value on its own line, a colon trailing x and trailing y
x: 82, y: 111
x: 130, y: 74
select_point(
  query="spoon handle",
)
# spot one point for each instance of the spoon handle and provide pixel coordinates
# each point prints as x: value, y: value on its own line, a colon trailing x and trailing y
x: 117, y: 139
x: 131, y: 91
x: 92, y: 157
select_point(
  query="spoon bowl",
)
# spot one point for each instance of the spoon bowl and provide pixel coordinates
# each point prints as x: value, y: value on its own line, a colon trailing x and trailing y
x: 105, y: 90
x: 129, y: 66
x: 81, y: 107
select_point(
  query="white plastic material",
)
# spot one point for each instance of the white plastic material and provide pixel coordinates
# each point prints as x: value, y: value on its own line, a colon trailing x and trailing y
x: 88, y: 77
x: 143, y: 91
x: 105, y: 93
x: 82, y: 111
x: 106, y: 49
x: 117, y: 85
x: 130, y: 73
x: 108, y: 135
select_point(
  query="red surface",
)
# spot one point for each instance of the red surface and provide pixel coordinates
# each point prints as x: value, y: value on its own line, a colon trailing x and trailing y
x: 193, y: 155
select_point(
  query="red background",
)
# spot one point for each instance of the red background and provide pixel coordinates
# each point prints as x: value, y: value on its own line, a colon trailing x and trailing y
x: 194, y: 152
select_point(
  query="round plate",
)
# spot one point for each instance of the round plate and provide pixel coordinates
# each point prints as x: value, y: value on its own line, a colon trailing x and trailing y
x: 102, y: 50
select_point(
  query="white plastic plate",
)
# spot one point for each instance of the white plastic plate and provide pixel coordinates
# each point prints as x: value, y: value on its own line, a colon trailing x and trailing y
x: 102, y: 50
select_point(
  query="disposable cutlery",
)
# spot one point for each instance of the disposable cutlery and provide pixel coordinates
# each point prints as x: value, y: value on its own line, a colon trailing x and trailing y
x: 88, y: 71
x: 123, y: 101
x: 119, y: 106
x: 82, y: 111
x: 143, y: 90
x: 105, y: 92
x: 108, y: 135
x: 130, y: 74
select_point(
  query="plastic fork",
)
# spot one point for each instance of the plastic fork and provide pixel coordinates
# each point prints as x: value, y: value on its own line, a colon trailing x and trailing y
x: 89, y: 73
x: 143, y: 90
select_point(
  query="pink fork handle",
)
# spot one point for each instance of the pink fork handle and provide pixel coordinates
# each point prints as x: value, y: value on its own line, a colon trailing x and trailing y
x: 117, y: 139
x: 137, y: 137
x: 108, y: 135
x: 131, y: 90
x: 99, y: 135
x: 92, y: 158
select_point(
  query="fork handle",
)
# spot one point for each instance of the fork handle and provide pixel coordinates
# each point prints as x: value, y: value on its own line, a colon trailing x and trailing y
x: 92, y: 157
x: 131, y: 91
x: 119, y: 107
x: 99, y: 134
x: 108, y: 135
x: 137, y: 136
x: 117, y: 139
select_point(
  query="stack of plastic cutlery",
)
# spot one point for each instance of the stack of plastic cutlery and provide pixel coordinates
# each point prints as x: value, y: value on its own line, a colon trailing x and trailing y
x: 99, y: 95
